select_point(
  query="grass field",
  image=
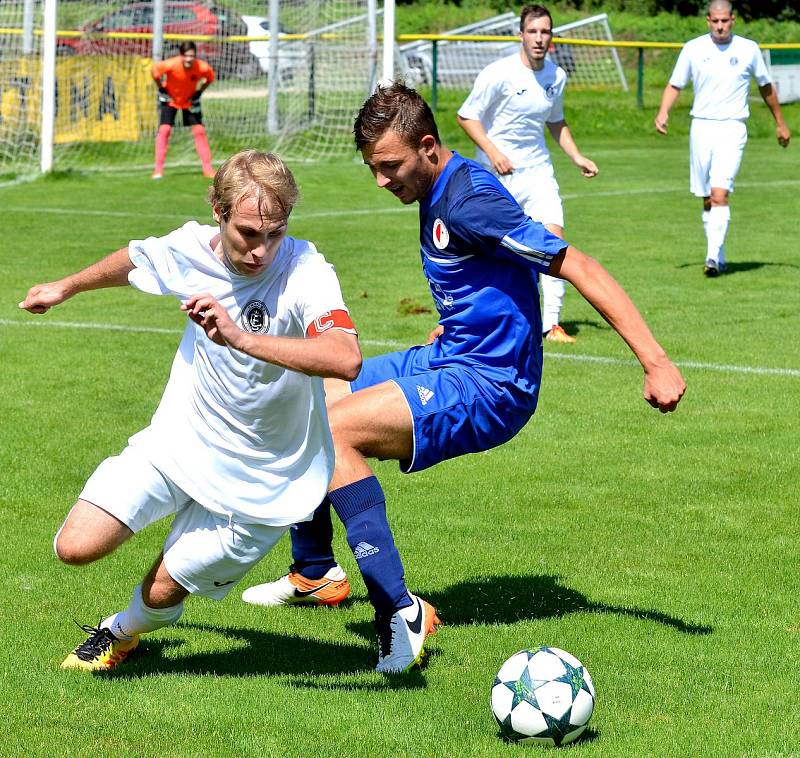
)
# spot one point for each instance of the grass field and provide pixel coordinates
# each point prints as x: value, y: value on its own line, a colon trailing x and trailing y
x: 661, y: 550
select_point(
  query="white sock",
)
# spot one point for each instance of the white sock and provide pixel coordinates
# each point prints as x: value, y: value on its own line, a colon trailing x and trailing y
x: 718, y: 219
x: 138, y: 618
x: 552, y: 299
x: 704, y: 217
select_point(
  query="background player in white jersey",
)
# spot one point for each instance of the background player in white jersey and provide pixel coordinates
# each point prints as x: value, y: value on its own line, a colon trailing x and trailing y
x: 472, y: 388
x: 239, y: 447
x: 505, y: 115
x: 720, y: 65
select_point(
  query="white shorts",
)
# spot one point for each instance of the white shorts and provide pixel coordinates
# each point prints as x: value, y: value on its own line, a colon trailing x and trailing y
x: 536, y: 191
x: 205, y: 553
x: 715, y: 154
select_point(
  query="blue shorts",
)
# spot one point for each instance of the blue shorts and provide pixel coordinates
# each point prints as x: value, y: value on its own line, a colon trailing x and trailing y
x: 455, y: 409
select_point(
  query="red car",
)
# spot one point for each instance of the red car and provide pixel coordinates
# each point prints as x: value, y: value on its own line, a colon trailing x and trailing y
x: 180, y: 17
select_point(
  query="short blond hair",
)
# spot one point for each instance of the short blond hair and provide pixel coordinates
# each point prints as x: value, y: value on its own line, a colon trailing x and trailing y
x: 253, y: 173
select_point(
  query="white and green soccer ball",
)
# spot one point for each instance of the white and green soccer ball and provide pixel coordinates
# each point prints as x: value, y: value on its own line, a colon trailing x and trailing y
x: 542, y: 695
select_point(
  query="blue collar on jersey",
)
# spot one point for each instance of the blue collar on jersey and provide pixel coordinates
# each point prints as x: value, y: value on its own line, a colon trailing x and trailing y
x: 441, y: 182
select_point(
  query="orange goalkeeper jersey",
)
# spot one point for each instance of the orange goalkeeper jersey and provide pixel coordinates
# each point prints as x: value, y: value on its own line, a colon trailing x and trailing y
x: 181, y: 82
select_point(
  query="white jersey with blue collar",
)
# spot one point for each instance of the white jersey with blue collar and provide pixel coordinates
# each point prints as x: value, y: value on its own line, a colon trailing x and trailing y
x: 482, y: 255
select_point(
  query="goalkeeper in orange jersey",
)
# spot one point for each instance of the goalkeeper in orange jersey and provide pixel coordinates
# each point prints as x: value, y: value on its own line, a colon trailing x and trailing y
x: 181, y: 81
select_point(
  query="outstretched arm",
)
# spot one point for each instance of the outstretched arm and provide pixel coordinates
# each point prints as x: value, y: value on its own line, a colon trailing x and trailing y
x: 111, y: 271
x: 771, y: 99
x: 668, y: 99
x: 663, y: 384
x: 333, y: 353
x: 566, y: 142
x: 475, y: 131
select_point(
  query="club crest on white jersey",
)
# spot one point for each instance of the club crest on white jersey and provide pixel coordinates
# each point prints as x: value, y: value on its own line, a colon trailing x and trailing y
x: 441, y: 237
x: 255, y: 317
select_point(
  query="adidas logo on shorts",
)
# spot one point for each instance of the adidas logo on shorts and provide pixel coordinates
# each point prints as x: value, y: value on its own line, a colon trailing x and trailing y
x: 363, y: 549
x: 424, y: 394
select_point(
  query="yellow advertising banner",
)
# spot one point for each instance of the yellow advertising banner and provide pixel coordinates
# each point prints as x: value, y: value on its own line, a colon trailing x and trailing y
x: 98, y: 98
x: 19, y: 96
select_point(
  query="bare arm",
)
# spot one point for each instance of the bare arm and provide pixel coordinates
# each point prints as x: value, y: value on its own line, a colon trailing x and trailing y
x: 334, y: 353
x: 668, y: 99
x: 566, y: 142
x: 111, y: 271
x: 475, y: 131
x: 663, y: 384
x: 771, y: 99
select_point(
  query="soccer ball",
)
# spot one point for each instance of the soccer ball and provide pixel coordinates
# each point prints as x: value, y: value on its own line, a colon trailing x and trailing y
x: 543, y: 695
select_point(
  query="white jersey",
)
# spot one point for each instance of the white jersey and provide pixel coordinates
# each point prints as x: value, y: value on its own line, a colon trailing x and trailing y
x: 720, y: 76
x: 241, y: 436
x: 513, y: 103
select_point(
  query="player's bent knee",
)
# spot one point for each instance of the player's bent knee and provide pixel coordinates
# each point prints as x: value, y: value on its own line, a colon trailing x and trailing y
x: 88, y: 533
x: 75, y: 552
x: 346, y: 439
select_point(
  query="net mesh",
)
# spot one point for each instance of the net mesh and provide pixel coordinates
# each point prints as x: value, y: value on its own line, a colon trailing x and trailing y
x: 459, y: 62
x: 301, y: 102
x: 19, y: 86
x: 106, y: 110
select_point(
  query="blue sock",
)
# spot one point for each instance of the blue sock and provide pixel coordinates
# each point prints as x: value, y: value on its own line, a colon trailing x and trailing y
x: 362, y: 508
x: 312, y: 548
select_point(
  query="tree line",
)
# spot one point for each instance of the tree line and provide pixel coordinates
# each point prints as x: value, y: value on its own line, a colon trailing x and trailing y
x: 747, y: 10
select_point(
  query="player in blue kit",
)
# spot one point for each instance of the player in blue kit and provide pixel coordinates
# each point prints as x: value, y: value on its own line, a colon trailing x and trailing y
x: 472, y: 388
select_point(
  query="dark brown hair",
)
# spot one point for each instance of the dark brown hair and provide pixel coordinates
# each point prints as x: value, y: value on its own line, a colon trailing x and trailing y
x: 399, y: 108
x: 534, y: 11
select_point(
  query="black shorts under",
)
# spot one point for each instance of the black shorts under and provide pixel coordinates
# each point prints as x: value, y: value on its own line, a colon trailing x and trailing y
x: 167, y: 114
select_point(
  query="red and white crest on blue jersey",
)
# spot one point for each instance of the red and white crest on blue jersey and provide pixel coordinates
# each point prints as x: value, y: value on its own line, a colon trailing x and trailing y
x: 440, y: 234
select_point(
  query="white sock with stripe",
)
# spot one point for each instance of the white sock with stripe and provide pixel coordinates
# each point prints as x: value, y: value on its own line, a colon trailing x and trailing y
x: 138, y: 618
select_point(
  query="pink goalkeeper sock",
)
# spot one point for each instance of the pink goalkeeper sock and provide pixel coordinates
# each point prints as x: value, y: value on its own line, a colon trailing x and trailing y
x: 162, y: 138
x: 201, y: 145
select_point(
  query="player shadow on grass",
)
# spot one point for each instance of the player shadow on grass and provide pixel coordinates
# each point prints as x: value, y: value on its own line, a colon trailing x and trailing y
x: 573, y: 327
x: 257, y: 653
x: 740, y: 267
x: 508, y: 599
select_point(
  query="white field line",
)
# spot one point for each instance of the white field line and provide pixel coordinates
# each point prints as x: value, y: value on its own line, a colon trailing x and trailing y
x: 372, y: 211
x: 38, y: 321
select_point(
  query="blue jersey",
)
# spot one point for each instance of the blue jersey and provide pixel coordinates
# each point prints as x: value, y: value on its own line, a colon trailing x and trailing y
x: 482, y: 256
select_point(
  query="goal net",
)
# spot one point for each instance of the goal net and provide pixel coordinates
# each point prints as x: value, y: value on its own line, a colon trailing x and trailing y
x: 459, y: 62
x: 20, y: 80
x: 298, y: 96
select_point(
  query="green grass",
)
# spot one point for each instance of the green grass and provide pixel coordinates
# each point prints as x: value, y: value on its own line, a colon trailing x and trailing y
x: 661, y: 550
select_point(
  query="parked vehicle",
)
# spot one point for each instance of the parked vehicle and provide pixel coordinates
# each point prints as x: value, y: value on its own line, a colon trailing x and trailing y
x: 291, y: 53
x: 180, y: 17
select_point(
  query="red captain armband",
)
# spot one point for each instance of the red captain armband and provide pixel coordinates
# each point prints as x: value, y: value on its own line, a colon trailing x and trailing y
x: 331, y: 320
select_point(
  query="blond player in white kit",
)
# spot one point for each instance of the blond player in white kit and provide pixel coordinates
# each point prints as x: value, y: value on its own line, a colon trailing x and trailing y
x: 505, y: 114
x: 239, y: 447
x: 719, y: 65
